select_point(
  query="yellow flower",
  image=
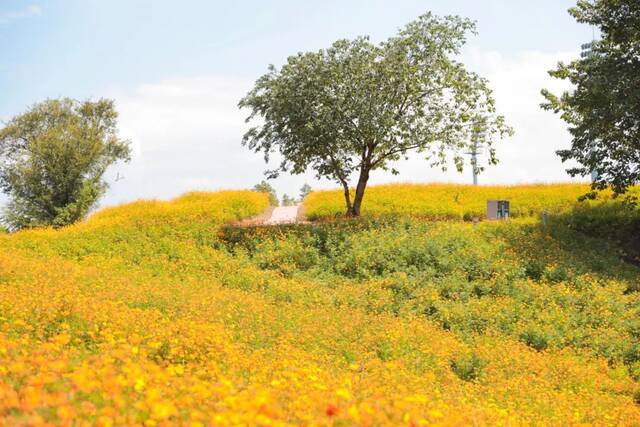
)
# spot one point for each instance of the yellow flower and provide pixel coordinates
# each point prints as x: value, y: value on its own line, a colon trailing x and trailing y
x: 343, y: 393
x: 163, y: 410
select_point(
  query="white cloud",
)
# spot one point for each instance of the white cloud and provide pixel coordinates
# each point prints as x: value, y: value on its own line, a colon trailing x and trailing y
x: 33, y: 10
x: 528, y: 156
x: 186, y: 134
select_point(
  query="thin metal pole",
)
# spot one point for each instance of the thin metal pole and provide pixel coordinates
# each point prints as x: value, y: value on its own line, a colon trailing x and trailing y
x: 474, y: 152
x: 474, y: 162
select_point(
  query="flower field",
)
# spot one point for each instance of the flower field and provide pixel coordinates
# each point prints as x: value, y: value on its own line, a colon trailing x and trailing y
x: 451, y: 201
x: 156, y: 313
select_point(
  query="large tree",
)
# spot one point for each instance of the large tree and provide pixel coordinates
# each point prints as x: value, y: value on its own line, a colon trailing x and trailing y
x: 357, y: 106
x: 52, y: 160
x: 603, y: 107
x: 265, y: 187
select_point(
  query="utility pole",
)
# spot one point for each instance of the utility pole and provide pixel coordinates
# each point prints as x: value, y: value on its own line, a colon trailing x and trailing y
x: 476, y: 148
x: 586, y: 50
x: 474, y: 160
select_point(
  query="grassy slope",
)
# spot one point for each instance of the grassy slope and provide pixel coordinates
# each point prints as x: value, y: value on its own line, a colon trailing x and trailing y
x: 449, y: 200
x: 148, y: 313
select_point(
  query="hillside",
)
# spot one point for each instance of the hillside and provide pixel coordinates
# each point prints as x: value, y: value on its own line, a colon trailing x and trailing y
x: 158, y: 313
x: 451, y: 201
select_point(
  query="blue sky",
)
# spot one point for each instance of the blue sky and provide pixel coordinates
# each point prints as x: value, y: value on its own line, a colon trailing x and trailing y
x: 177, y: 69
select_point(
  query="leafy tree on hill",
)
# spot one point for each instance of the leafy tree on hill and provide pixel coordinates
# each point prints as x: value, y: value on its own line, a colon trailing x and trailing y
x: 603, y: 109
x: 265, y: 187
x: 288, y: 201
x: 52, y: 159
x: 304, y: 191
x: 357, y: 106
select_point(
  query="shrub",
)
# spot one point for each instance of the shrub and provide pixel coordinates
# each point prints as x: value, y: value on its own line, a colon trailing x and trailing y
x: 468, y: 367
x: 557, y: 273
x: 287, y: 255
x: 534, y: 269
x: 535, y: 339
x: 616, y: 221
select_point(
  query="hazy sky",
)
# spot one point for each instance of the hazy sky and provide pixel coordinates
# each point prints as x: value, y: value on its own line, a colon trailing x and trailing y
x: 178, y: 68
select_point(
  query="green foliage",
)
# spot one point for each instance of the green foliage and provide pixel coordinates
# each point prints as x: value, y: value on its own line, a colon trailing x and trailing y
x: 286, y: 255
x: 468, y: 367
x: 534, y: 338
x: 408, y: 248
x: 52, y: 159
x: 304, y: 191
x: 549, y: 288
x: 603, y: 111
x: 616, y: 221
x: 265, y: 187
x: 288, y: 201
x: 357, y: 107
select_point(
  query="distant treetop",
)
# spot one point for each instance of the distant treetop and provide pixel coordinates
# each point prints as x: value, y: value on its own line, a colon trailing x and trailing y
x: 265, y: 187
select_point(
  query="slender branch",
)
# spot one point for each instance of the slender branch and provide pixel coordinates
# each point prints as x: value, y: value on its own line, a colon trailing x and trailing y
x: 392, y: 152
x: 334, y: 163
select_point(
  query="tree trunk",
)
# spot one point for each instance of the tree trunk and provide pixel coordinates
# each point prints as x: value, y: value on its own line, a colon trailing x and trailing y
x: 357, y: 200
x: 347, y: 197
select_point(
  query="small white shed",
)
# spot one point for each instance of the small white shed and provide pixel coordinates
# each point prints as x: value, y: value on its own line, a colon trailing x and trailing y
x: 497, y: 209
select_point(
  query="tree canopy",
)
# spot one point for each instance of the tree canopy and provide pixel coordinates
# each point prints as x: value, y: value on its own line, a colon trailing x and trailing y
x: 603, y: 107
x: 265, y: 187
x: 288, y: 201
x: 304, y: 191
x: 358, y: 106
x: 53, y: 158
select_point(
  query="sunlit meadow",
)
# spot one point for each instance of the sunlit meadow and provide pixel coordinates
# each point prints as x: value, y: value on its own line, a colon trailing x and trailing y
x: 451, y: 201
x: 160, y: 313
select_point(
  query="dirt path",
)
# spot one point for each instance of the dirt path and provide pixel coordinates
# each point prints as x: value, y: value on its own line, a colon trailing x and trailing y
x: 283, y: 215
x: 276, y: 215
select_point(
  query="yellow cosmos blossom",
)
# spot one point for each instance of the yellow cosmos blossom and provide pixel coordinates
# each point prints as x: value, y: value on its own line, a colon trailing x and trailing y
x: 154, y: 313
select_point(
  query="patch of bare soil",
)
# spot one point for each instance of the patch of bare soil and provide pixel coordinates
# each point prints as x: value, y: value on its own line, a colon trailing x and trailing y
x: 255, y: 220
